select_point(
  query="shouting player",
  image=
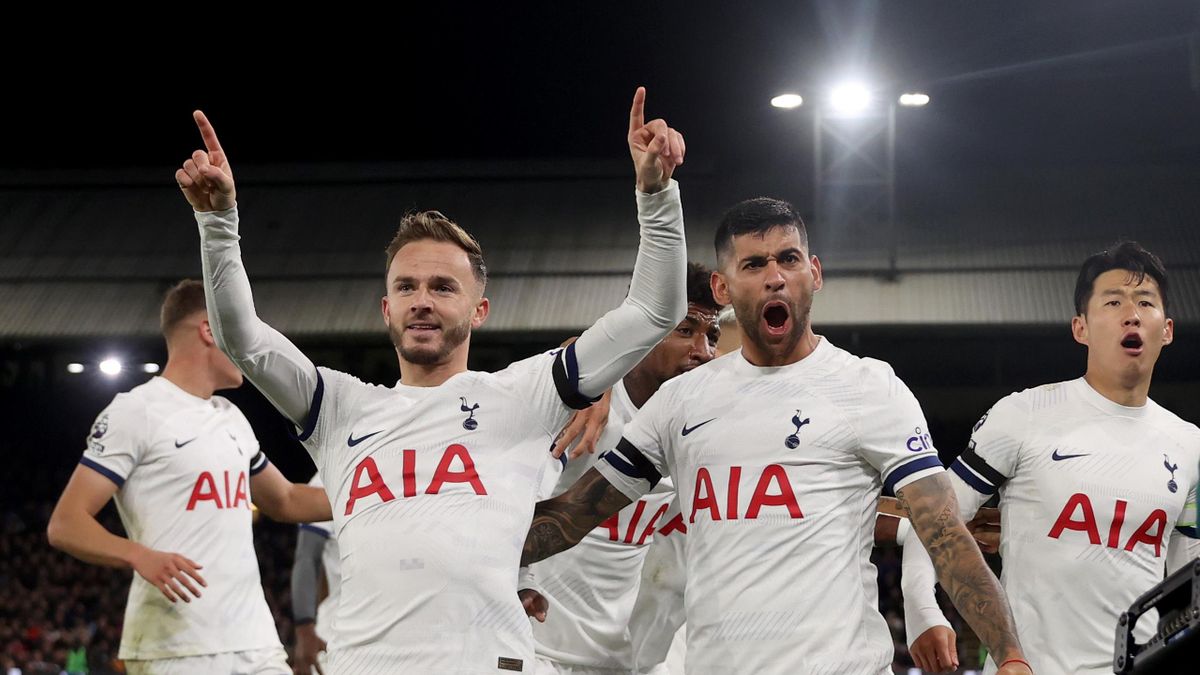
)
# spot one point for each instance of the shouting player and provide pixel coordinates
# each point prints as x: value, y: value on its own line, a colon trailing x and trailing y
x: 779, y: 452
x: 1097, y: 482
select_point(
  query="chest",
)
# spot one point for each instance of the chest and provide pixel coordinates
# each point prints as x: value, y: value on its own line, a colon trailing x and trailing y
x: 791, y: 457
x: 204, y: 457
x: 1110, y: 482
x: 464, y: 441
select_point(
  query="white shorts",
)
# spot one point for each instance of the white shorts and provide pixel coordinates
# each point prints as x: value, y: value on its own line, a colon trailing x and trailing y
x: 270, y: 661
x: 546, y: 667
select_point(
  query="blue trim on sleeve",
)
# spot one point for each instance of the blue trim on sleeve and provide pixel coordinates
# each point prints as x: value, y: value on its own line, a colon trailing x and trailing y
x: 314, y: 529
x: 1189, y: 532
x: 565, y: 373
x: 254, y: 471
x: 310, y: 424
x: 620, y: 464
x: 905, y: 470
x: 964, y: 472
x: 103, y: 471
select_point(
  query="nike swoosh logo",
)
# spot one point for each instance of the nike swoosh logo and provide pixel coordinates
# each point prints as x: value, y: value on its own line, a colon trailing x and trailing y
x: 687, y: 430
x: 180, y: 445
x: 352, y: 441
x: 1058, y: 458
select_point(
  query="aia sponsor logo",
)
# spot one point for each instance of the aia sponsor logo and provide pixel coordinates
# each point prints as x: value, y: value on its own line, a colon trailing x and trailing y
x: 1078, y: 515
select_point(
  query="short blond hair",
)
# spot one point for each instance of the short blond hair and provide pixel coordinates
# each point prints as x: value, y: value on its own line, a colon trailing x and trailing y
x: 433, y: 225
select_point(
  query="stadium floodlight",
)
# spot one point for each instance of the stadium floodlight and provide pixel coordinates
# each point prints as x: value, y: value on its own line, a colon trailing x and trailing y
x: 850, y: 98
x: 149, y: 367
x: 914, y: 99
x: 74, y: 368
x: 787, y: 101
x: 110, y: 367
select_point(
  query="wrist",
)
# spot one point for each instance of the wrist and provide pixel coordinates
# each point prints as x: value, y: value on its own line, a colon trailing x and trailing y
x: 130, y: 553
x: 1013, y: 660
x: 651, y: 188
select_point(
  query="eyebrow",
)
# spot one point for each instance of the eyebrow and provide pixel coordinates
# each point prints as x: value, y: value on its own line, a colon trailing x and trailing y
x: 433, y: 280
x: 778, y: 254
x: 1138, y: 292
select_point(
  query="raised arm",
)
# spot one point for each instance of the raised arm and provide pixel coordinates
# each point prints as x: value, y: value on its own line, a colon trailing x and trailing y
x: 284, y: 375
x: 934, y: 512
x: 657, y: 298
x: 561, y: 522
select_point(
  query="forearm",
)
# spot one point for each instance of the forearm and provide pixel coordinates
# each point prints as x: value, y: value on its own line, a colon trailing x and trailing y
x: 918, y: 582
x: 281, y: 371
x: 83, y: 537
x: 657, y: 298
x: 961, y: 569
x: 562, y: 522
x: 297, y: 504
x: 304, y: 577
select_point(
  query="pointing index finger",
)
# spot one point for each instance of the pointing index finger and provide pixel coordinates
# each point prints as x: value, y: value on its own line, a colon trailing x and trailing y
x: 636, y: 117
x: 207, y: 132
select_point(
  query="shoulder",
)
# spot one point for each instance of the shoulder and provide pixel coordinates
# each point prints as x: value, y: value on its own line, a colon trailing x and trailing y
x: 330, y: 380
x: 698, y: 382
x: 1183, y: 432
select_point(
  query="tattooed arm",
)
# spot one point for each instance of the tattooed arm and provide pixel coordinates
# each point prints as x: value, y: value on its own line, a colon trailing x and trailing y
x: 560, y: 523
x: 933, y: 510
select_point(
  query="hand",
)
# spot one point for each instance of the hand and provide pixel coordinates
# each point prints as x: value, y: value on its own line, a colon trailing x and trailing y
x: 936, y: 650
x: 168, y: 572
x: 207, y: 179
x: 308, y: 645
x: 536, y: 605
x: 656, y: 148
x: 985, y: 528
x: 586, y: 425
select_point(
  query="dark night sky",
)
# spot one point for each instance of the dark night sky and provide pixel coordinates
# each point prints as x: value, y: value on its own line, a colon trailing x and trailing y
x: 1027, y: 82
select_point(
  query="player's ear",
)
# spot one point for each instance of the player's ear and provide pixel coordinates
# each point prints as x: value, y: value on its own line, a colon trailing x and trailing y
x: 482, y: 308
x: 1168, y: 332
x: 206, y: 335
x: 720, y: 288
x: 818, y: 279
x: 384, y: 310
x: 1079, y: 329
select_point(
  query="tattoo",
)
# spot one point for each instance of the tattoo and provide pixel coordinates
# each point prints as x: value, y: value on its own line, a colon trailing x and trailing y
x: 975, y: 591
x: 560, y: 523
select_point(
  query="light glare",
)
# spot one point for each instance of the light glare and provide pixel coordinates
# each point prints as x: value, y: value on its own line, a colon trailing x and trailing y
x: 74, y: 368
x: 851, y: 98
x: 914, y: 99
x: 787, y: 101
x: 110, y: 367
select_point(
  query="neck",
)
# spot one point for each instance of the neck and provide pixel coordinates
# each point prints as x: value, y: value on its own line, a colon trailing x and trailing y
x: 770, y: 356
x: 1130, y: 389
x: 433, y: 375
x: 190, y: 375
x: 640, y: 385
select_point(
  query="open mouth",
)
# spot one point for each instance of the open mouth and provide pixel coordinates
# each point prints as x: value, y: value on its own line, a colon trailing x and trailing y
x: 776, y: 315
x: 1132, y: 344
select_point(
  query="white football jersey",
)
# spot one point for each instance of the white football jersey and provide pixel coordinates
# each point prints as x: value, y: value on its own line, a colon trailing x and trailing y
x: 592, y: 586
x: 658, y: 613
x: 779, y: 472
x: 433, y: 490
x: 1090, y: 491
x: 183, y: 467
x: 332, y: 565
